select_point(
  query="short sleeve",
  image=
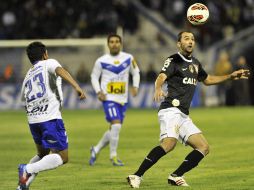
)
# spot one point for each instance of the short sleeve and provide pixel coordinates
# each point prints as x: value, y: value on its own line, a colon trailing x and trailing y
x: 168, y: 67
x: 202, y: 75
x: 134, y: 66
x: 52, y: 65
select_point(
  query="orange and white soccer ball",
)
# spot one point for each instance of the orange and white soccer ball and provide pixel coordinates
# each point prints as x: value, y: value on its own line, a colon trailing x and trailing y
x: 197, y: 14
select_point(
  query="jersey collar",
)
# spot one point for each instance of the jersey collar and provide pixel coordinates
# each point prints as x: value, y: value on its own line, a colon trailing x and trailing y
x: 187, y: 60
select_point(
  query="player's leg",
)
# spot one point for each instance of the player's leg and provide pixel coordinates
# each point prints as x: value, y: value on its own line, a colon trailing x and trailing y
x: 167, y: 145
x: 201, y: 149
x: 37, y: 136
x: 94, y: 150
x: 114, y: 114
x: 197, y: 141
x: 113, y: 142
x: 48, y: 162
x: 41, y: 152
x: 54, y: 138
x: 105, y: 139
x: 117, y: 114
x: 168, y: 137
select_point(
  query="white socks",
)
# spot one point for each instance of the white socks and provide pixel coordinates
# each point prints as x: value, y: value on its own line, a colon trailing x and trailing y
x: 114, y: 137
x: 103, y: 142
x: 36, y: 158
x: 48, y: 162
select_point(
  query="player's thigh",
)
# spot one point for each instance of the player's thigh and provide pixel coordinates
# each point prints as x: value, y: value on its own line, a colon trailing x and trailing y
x: 36, y: 131
x: 169, y: 124
x: 63, y: 153
x: 198, y: 141
x: 42, y: 151
x: 114, y: 112
x: 187, y: 129
x: 168, y: 143
x: 54, y: 135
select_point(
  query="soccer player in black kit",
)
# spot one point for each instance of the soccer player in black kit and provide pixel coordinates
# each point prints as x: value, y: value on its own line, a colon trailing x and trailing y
x: 181, y: 72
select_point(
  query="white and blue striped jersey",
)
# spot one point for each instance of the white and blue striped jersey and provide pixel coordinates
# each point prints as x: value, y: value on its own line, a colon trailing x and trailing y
x: 114, y: 72
x: 42, y: 92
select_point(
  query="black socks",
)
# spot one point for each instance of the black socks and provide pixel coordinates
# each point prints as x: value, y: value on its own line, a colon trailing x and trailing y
x: 191, y: 161
x: 155, y: 154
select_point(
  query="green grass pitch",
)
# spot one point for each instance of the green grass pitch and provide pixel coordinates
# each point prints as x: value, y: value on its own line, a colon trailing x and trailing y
x: 229, y: 166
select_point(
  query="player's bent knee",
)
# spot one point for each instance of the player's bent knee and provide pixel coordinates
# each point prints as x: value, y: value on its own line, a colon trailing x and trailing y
x: 65, y: 159
x: 168, y: 144
x: 64, y: 156
x: 205, y: 149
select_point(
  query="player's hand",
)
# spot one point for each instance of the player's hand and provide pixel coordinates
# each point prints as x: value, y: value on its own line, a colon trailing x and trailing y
x: 101, y: 96
x: 134, y: 91
x: 159, y: 94
x: 240, y: 74
x: 81, y: 93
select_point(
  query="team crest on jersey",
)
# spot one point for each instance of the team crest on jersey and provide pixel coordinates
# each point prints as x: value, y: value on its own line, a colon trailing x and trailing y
x: 191, y: 68
x: 125, y: 65
x: 195, y: 67
x: 116, y: 62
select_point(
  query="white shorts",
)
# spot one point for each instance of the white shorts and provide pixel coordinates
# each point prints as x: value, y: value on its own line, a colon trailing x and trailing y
x: 174, y: 123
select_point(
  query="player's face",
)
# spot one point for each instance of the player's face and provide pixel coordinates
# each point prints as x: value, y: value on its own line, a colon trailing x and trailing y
x: 114, y: 45
x: 187, y: 43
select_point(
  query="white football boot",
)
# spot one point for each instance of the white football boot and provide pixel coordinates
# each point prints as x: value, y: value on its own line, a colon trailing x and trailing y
x: 134, y: 181
x: 177, y: 181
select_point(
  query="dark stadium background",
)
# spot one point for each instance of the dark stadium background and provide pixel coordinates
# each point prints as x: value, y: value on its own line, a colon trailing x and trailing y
x: 229, y: 28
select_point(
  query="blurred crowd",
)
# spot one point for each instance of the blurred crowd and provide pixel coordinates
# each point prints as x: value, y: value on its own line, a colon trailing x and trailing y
x: 88, y: 18
x: 29, y: 19
x: 226, y: 17
x: 232, y: 92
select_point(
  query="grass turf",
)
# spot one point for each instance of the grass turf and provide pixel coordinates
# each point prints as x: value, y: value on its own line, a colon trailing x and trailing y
x: 229, y: 166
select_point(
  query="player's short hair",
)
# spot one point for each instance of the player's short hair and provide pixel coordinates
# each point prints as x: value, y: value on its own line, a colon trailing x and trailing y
x: 179, y: 36
x: 35, y: 51
x: 114, y: 35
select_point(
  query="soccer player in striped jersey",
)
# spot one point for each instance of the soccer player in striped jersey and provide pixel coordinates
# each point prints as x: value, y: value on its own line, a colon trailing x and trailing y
x: 114, y: 69
x: 42, y: 94
x: 181, y: 72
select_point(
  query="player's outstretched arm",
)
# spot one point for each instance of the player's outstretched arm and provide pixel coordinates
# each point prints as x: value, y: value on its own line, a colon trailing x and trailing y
x: 236, y: 75
x: 240, y: 74
x: 159, y: 94
x: 67, y: 77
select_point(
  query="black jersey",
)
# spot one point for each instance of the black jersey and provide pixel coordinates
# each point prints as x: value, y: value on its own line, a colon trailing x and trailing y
x: 182, y: 77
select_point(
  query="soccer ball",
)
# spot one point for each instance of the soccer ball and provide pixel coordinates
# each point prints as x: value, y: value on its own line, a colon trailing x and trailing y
x: 197, y: 14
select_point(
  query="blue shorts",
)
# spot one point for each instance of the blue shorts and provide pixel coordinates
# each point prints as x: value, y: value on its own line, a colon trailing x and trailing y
x: 114, y: 111
x: 50, y: 134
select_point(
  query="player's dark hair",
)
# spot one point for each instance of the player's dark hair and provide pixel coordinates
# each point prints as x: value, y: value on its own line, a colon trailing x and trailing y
x: 35, y: 51
x: 114, y: 35
x: 179, y: 36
